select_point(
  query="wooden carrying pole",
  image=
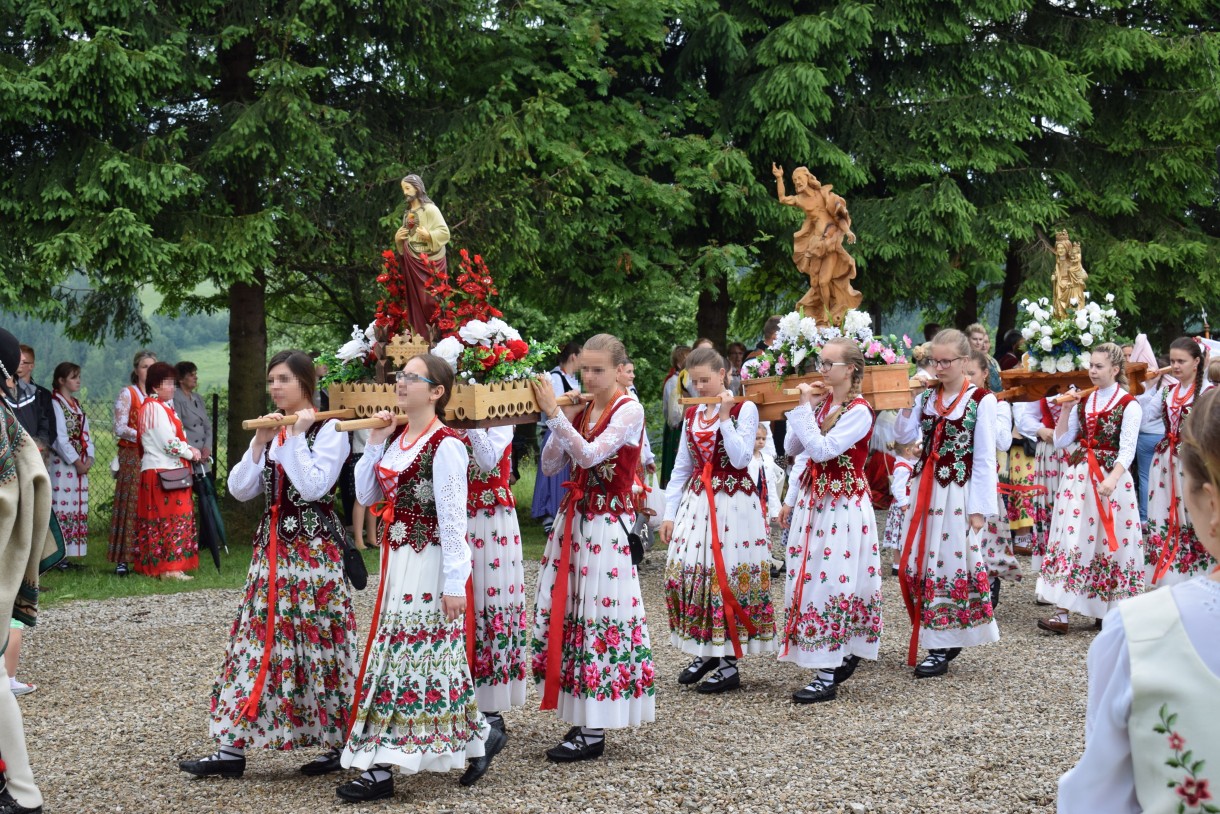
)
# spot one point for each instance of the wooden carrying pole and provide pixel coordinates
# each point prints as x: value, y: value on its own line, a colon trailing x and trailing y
x: 1060, y: 399
x: 686, y: 401
x: 373, y: 423
x: 289, y: 420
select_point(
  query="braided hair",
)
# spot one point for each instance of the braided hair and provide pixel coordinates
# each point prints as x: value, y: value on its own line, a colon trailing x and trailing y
x: 1116, y: 358
x: 854, y: 356
x: 1190, y: 346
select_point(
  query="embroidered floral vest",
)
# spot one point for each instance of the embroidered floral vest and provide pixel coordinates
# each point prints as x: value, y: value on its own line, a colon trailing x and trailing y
x: 74, y: 424
x: 415, y: 522
x: 842, y: 476
x: 956, y: 463
x: 1173, y: 423
x: 300, y: 519
x: 726, y: 478
x: 1174, y: 740
x: 491, y: 489
x: 1109, y: 431
x: 611, y: 493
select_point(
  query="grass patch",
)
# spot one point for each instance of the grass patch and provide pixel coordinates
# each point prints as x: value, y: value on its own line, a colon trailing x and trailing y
x: 97, y: 580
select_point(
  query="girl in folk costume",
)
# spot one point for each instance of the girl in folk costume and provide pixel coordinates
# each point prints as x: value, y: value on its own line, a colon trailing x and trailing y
x: 416, y: 706
x: 1172, y: 552
x: 906, y: 456
x: 945, y: 583
x: 165, y: 545
x: 718, y: 570
x: 71, y: 459
x: 549, y: 489
x: 1151, y: 740
x: 1095, y: 555
x: 127, y: 478
x: 591, y: 649
x: 995, y: 538
x: 501, y: 633
x: 1037, y: 420
x: 287, y: 677
x: 833, y: 596
x: 671, y: 392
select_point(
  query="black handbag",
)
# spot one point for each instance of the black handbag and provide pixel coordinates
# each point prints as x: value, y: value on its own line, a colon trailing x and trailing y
x: 175, y: 479
x: 354, y: 569
x: 1030, y: 446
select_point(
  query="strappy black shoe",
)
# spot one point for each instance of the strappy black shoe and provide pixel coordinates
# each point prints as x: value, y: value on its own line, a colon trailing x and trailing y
x: 324, y: 764
x: 576, y: 746
x: 214, y: 766
x: 697, y: 669
x: 845, y: 670
x: 815, y: 692
x: 478, y: 766
x: 935, y: 664
x: 362, y: 790
x: 719, y: 682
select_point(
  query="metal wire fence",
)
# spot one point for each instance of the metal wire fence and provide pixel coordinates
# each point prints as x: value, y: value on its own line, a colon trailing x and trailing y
x: 101, y: 431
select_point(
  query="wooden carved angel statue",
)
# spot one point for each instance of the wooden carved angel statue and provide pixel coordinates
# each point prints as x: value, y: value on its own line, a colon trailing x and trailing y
x: 817, y: 247
x: 1069, y: 278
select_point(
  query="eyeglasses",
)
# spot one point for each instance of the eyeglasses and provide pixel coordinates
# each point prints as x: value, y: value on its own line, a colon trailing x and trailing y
x: 826, y: 366
x: 411, y: 378
x: 942, y: 364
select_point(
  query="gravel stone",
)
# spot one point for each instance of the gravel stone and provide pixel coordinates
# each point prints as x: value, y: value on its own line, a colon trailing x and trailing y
x: 124, y: 687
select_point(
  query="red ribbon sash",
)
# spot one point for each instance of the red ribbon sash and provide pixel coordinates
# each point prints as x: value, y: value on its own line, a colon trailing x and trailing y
x: 732, y: 607
x: 376, y: 621
x: 249, y: 710
x: 559, y: 594
x: 1174, y: 536
x: 918, y: 529
x: 798, y: 593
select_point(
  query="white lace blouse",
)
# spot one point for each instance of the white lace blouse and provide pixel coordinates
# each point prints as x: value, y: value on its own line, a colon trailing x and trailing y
x: 1103, y: 779
x: 1129, y: 435
x: 313, y: 472
x: 566, y: 444
x: 122, y: 414
x: 738, y: 445
x: 488, y: 446
x: 805, y: 440
x: 984, y: 479
x: 448, y: 487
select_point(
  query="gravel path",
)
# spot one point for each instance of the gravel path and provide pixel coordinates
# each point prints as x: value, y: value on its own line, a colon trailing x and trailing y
x: 124, y: 685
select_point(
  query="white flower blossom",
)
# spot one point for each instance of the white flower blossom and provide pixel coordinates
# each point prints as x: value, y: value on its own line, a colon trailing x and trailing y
x: 1046, y: 330
x: 808, y: 329
x: 450, y: 349
x: 1082, y: 320
x: 857, y: 323
x: 476, y: 332
x: 1086, y: 339
x: 1065, y: 363
x: 1082, y: 361
x: 1048, y: 365
x: 1109, y: 298
x: 1046, y: 343
x: 1074, y: 301
x: 790, y: 324
x: 798, y: 357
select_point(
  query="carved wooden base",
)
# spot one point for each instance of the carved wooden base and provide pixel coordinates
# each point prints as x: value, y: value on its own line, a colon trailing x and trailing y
x: 471, y: 406
x: 885, y: 387
x: 1032, y: 386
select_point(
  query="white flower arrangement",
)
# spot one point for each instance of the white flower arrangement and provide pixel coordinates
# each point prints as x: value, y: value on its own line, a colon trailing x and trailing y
x: 799, y: 340
x: 359, y: 346
x: 1061, y: 345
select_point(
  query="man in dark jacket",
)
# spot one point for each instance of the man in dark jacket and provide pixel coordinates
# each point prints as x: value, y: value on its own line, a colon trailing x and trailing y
x: 31, y: 403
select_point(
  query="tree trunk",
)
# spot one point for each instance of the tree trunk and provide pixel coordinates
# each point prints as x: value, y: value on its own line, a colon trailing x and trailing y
x: 247, y: 358
x: 712, y: 319
x: 967, y: 311
x: 1014, y: 275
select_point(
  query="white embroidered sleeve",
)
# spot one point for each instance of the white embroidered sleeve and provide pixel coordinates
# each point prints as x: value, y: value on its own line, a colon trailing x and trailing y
x: 852, y: 426
x: 1103, y: 780
x: 1152, y: 404
x: 449, y: 487
x: 489, y: 445
x: 739, y: 441
x: 553, y: 455
x: 907, y: 427
x: 1072, y: 432
x: 684, y: 465
x: 984, y: 480
x: 246, y: 479
x: 63, y: 444
x: 315, y: 471
x: 122, y: 414
x: 368, y: 488
x: 623, y: 430
x: 1003, y: 426
x: 1028, y: 418
x: 90, y: 451
x: 1129, y: 436
x: 799, y: 463
x: 898, y: 486
x: 769, y: 447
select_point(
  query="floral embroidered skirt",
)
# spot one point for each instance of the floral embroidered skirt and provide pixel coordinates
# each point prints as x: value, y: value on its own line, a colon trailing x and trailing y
x: 1021, y: 510
x: 310, y: 682
x: 954, y: 598
x: 1048, y: 470
x: 126, y: 502
x: 832, y: 596
x: 996, y: 543
x: 894, y: 520
x: 606, y: 672
x: 70, y: 502
x: 1080, y: 573
x: 548, y: 489
x: 501, y: 627
x: 692, y: 591
x: 416, y: 705
x: 165, y: 529
x: 1191, y: 558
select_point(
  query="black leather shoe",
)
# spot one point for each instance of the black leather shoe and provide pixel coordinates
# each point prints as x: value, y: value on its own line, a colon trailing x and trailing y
x: 952, y: 653
x: 497, y: 722
x: 121, y: 569
x: 935, y: 664
x: 817, y: 691
x: 845, y: 670
x: 10, y: 806
x: 477, y: 767
x: 325, y: 764
x: 718, y: 683
x: 581, y: 749
x: 366, y: 791
x: 224, y: 767
x: 692, y: 673
x: 995, y: 593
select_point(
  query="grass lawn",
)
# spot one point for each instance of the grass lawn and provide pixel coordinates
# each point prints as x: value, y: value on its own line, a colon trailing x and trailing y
x: 97, y: 579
